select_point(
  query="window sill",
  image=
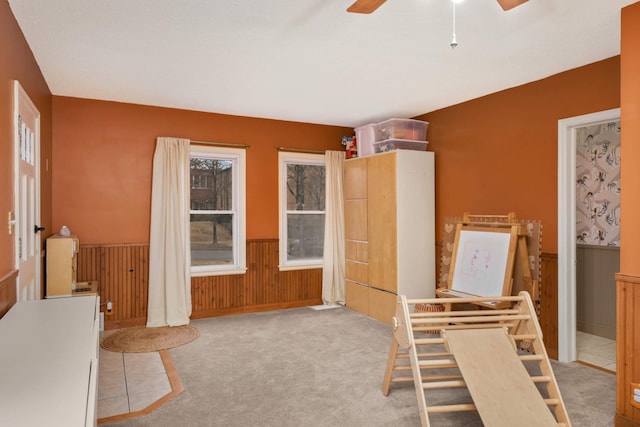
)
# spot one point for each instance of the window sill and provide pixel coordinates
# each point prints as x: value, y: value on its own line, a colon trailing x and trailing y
x: 299, y: 267
x: 226, y: 272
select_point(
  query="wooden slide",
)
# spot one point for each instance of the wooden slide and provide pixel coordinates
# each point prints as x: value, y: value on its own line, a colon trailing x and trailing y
x: 497, y: 355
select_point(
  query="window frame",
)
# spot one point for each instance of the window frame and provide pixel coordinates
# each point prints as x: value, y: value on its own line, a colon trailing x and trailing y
x: 239, y: 192
x: 284, y: 159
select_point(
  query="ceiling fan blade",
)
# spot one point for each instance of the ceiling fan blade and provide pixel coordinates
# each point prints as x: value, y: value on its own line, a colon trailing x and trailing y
x: 365, y: 6
x: 510, y: 4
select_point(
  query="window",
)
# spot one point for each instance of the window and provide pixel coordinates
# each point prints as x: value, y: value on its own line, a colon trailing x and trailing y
x: 302, y: 204
x: 217, y: 212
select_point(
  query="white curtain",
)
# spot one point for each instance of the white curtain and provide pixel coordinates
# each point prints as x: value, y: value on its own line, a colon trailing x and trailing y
x: 333, y: 276
x: 169, y: 248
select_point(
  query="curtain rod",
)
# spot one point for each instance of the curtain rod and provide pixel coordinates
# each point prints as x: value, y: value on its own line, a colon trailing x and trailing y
x: 220, y: 144
x: 298, y: 150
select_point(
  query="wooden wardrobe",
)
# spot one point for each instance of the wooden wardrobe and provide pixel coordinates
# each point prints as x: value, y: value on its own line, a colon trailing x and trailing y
x: 389, y: 230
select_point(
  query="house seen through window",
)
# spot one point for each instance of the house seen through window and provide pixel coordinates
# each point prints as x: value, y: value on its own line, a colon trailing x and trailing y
x: 216, y: 212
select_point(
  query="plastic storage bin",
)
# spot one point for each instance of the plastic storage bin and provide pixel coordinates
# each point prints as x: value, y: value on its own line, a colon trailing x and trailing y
x: 401, y: 129
x: 365, y: 137
x: 399, y: 144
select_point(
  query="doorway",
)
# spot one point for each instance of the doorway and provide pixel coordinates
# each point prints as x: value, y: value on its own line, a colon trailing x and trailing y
x: 27, y: 195
x: 567, y: 301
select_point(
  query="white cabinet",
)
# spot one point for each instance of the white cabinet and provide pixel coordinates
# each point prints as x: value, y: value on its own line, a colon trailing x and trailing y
x: 389, y: 230
x: 49, y: 363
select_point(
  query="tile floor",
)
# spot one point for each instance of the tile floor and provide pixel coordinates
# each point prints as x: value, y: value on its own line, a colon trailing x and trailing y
x: 129, y: 382
x: 595, y: 350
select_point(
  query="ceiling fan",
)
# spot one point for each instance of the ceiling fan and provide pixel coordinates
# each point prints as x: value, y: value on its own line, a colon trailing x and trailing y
x: 369, y: 6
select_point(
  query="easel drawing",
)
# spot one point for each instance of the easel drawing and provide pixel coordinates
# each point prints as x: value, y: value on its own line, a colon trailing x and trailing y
x: 480, y: 344
x: 486, y: 251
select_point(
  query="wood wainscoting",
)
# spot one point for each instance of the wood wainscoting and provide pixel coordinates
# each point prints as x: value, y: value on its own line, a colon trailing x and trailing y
x: 627, y: 349
x: 549, y: 302
x: 123, y: 274
x: 8, y: 296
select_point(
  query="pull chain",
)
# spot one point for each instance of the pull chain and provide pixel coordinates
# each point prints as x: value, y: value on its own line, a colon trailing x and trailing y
x: 454, y: 42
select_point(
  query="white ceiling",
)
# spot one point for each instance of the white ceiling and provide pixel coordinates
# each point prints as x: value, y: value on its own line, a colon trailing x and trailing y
x: 309, y: 60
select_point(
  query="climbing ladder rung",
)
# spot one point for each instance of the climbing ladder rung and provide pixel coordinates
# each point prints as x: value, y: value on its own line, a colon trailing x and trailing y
x: 441, y: 377
x: 470, y: 300
x: 439, y: 354
x: 524, y: 337
x: 443, y: 384
x: 464, y: 326
x: 428, y: 341
x: 452, y: 408
x: 475, y: 319
x: 441, y: 363
x: 483, y: 352
x: 531, y: 357
x: 401, y: 379
x: 473, y: 313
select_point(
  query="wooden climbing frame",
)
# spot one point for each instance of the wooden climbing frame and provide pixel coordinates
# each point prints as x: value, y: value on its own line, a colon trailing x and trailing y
x: 496, y: 354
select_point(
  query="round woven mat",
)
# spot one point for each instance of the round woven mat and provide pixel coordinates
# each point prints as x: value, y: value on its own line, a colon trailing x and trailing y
x: 142, y: 339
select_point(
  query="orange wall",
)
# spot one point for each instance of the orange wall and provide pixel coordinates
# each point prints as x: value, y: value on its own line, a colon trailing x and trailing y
x: 498, y: 153
x: 494, y: 154
x: 103, y: 155
x: 17, y: 62
x: 630, y: 142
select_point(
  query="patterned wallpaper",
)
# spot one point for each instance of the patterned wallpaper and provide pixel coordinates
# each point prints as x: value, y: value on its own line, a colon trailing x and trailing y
x: 598, y: 185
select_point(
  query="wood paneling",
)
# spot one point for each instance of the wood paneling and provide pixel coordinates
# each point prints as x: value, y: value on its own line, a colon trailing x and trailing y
x: 596, y: 270
x: 627, y: 347
x: 549, y: 302
x: 8, y: 295
x: 123, y: 273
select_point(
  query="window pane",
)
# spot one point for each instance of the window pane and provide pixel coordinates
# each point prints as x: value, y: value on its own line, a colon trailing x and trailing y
x: 212, y: 239
x: 305, y: 187
x: 211, y: 184
x: 305, y: 236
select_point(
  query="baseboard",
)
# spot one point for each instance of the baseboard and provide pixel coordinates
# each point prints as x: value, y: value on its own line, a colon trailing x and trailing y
x: 141, y: 321
x: 8, y: 296
x: 596, y: 329
x: 255, y: 308
x: 126, y: 323
x: 622, y: 421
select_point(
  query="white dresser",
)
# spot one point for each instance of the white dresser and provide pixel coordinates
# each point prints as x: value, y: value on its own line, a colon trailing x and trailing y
x: 49, y: 363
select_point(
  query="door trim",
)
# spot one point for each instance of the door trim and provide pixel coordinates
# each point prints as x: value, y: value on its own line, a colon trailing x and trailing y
x: 21, y: 96
x: 567, y: 226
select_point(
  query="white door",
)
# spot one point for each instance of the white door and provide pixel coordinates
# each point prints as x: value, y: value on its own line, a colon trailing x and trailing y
x: 567, y: 227
x: 27, y: 192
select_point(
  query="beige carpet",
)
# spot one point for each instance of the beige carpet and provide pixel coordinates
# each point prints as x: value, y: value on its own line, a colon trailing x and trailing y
x: 142, y: 339
x: 310, y: 368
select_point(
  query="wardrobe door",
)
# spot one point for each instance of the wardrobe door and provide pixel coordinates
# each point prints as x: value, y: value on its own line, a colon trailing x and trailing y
x: 381, y: 225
